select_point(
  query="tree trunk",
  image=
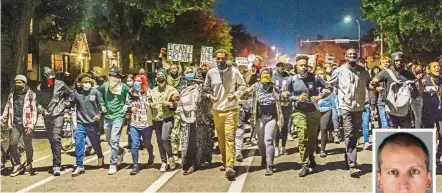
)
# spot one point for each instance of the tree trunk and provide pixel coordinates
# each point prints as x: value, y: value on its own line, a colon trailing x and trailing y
x: 22, y: 14
x: 124, y: 54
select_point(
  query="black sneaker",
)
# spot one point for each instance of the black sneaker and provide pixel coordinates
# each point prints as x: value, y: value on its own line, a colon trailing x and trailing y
x: 135, y: 171
x: 304, y: 172
x: 150, y: 161
x: 269, y: 170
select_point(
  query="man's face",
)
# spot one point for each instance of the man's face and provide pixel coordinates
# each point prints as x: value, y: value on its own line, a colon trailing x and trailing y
x: 302, y: 66
x: 385, y: 64
x: 403, y: 169
x: 399, y: 62
x: 221, y: 57
x: 351, y: 55
x: 435, y: 69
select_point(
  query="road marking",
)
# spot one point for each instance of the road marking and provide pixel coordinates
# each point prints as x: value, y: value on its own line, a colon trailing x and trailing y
x: 238, y: 184
x: 48, y: 179
x: 161, y: 181
x: 43, y: 158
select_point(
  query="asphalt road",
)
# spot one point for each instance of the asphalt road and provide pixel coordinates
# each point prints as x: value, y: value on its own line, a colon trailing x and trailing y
x: 328, y: 177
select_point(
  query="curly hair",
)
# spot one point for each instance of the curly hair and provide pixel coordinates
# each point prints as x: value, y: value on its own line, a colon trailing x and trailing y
x: 302, y: 57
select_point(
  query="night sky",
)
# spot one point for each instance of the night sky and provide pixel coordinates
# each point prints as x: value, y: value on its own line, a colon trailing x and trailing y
x: 282, y: 22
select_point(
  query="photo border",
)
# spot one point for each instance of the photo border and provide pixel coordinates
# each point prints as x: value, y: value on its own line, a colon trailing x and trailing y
x: 433, y: 150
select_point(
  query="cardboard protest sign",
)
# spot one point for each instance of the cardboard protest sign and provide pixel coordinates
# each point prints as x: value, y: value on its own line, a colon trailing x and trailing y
x: 179, y: 52
x: 206, y: 54
x: 241, y: 61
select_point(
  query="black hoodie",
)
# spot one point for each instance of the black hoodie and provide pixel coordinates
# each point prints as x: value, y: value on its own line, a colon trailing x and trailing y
x: 55, y: 98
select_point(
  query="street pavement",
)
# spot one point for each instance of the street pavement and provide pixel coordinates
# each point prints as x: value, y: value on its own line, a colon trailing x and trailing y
x: 328, y: 177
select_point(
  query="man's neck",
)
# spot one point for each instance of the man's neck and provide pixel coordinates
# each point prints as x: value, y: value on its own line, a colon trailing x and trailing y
x: 162, y: 85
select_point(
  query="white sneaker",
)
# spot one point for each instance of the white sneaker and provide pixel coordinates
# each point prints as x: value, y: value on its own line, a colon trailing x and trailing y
x: 172, y: 163
x: 112, y: 169
x: 78, y: 171
x: 277, y: 151
x: 238, y: 157
x: 120, y: 157
x: 164, y: 167
x: 290, y: 137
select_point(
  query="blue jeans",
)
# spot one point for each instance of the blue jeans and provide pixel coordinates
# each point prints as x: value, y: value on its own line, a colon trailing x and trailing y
x: 81, y: 132
x: 366, y: 123
x: 135, y: 134
x: 112, y: 129
x: 382, y: 117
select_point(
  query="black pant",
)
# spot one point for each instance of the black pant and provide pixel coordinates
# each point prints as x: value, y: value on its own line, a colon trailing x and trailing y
x: 326, y: 122
x: 352, y: 122
x: 16, y: 132
x: 163, y: 129
x: 402, y: 122
x: 54, y: 126
x: 191, y: 148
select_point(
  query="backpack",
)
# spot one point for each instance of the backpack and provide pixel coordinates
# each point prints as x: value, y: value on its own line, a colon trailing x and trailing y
x: 398, y: 97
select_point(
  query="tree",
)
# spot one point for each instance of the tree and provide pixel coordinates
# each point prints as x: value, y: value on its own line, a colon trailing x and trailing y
x: 408, y: 25
x: 334, y: 49
x: 122, y: 21
x: 245, y: 44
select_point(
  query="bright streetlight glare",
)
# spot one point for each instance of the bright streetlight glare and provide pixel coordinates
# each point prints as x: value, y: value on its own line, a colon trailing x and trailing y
x: 273, y: 48
x: 347, y: 19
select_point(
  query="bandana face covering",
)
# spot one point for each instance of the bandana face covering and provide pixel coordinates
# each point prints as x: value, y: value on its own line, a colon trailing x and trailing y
x: 265, y: 78
x: 115, y: 85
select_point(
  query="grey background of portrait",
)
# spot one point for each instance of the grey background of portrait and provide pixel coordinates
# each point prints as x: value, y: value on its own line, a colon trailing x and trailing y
x: 426, y: 137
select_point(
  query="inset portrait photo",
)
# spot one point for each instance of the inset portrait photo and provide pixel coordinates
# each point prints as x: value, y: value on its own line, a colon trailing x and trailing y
x: 404, y: 160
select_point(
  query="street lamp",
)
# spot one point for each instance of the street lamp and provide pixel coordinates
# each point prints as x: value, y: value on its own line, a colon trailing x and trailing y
x: 349, y: 19
x: 273, y: 48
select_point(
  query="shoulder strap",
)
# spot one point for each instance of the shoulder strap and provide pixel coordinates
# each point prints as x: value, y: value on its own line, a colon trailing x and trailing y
x: 392, y: 75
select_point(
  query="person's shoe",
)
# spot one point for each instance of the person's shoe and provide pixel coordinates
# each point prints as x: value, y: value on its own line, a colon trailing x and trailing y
x: 78, y: 171
x: 304, y: 171
x: 290, y: 137
x: 112, y: 170
x: 277, y: 151
x: 87, y: 151
x: 354, y: 172
x: 337, y: 141
x: 238, y: 157
x: 322, y: 154
x: 367, y: 146
x: 230, y: 173
x: 100, y: 162
x: 29, y: 170
x: 283, y: 151
x: 16, y: 170
x: 163, y: 167
x: 269, y: 170
x: 135, y: 170
x: 56, y: 171
x: 121, y: 156
x: 172, y: 163
x: 189, y: 171
x: 222, y: 168
x: 150, y: 161
x: 205, y: 164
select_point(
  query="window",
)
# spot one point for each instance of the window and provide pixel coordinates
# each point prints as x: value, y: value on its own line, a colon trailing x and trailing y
x: 29, y: 66
x: 31, y: 26
x: 57, y: 63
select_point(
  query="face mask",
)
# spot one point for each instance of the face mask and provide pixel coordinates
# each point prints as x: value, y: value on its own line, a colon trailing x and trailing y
x: 130, y: 83
x: 189, y: 76
x: 203, y: 73
x: 161, y: 80
x: 265, y: 78
x: 86, y: 86
x: 51, y: 81
x: 221, y: 65
x: 174, y: 73
x: 19, y: 86
x: 352, y: 59
x: 137, y: 85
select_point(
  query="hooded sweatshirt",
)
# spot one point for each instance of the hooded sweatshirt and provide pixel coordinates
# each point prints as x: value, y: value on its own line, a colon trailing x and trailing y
x: 88, y: 105
x: 114, y: 103
x: 142, y: 118
x: 352, y: 84
x: 54, y: 98
x: 222, y: 83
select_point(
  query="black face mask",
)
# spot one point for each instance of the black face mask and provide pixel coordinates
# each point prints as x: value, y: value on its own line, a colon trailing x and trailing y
x: 204, y: 73
x: 174, y: 74
x: 161, y: 80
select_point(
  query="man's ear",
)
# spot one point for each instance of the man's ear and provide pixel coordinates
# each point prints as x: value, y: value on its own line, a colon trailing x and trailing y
x: 429, y: 179
x: 378, y: 179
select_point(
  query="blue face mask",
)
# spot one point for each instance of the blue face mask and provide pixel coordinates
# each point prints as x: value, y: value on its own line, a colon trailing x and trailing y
x: 189, y: 76
x: 221, y: 65
x: 137, y: 85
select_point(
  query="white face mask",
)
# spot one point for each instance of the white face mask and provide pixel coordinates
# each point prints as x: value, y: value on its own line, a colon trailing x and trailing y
x: 86, y: 86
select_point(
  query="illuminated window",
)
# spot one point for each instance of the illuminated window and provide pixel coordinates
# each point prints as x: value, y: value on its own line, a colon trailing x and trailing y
x: 57, y: 63
x: 31, y: 26
x: 29, y: 67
